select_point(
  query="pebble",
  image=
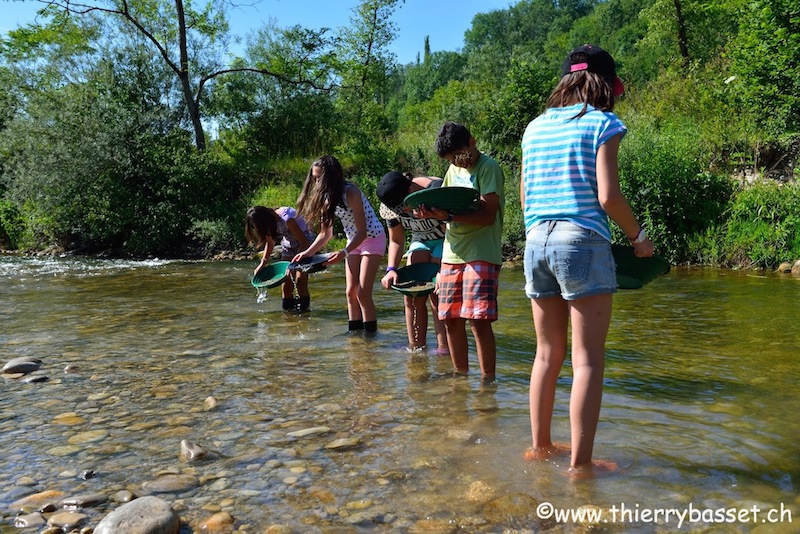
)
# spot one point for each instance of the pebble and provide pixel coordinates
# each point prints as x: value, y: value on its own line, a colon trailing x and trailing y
x: 219, y: 523
x: 23, y: 365
x: 309, y: 432
x: 67, y: 520
x: 343, y: 443
x: 123, y: 496
x: 209, y: 404
x: 171, y: 484
x: 90, y: 436
x: 191, y: 451
x: 64, y: 450
x: 145, y: 514
x: 68, y: 419
x: 35, y: 379
x: 38, y: 500
x: 86, y: 500
x: 33, y: 520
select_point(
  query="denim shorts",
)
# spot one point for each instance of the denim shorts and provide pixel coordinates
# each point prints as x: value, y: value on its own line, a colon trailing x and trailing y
x: 567, y: 260
x: 434, y: 246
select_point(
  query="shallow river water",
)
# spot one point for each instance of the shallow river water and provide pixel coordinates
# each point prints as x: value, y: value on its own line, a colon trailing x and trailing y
x: 700, y: 406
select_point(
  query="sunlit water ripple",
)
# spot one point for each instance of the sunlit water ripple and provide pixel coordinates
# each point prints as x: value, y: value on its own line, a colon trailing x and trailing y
x: 700, y: 404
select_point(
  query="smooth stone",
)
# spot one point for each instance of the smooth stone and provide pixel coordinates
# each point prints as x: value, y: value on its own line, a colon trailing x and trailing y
x: 191, y: 451
x: 35, y: 379
x: 171, y: 484
x: 343, y: 443
x: 309, y: 432
x: 123, y: 496
x: 90, y: 436
x: 22, y: 365
x: 68, y: 419
x: 12, y: 375
x: 34, y: 520
x: 64, y: 450
x: 210, y: 403
x: 85, y: 500
x: 67, y: 520
x: 362, y: 504
x: 219, y: 523
x: 323, y: 495
x: 145, y: 515
x: 38, y: 500
x: 464, y: 436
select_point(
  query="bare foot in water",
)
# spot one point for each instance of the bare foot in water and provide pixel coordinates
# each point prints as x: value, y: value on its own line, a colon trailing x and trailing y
x: 539, y: 454
x: 595, y: 469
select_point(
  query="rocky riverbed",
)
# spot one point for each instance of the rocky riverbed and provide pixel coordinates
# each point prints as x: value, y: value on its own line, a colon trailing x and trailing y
x: 204, y: 489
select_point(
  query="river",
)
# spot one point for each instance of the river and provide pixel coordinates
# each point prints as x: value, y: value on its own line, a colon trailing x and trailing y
x: 700, y: 405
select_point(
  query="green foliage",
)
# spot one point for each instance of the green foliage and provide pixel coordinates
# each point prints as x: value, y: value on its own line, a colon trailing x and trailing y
x: 11, y: 225
x: 766, y: 58
x: 763, y: 226
x: 437, y: 70
x: 523, y: 98
x: 671, y: 194
x: 277, y: 195
x: 97, y: 128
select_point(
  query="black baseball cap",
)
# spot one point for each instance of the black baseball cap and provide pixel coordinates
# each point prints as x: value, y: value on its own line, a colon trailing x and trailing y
x: 595, y: 60
x: 393, y: 188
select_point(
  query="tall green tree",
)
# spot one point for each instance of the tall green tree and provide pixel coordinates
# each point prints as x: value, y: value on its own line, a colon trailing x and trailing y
x: 190, y: 40
x: 766, y: 59
x: 365, y: 66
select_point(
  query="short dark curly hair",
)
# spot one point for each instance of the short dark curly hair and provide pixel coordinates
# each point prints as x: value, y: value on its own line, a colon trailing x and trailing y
x: 452, y: 137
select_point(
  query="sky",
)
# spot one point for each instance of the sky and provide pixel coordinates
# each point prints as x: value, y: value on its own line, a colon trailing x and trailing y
x: 445, y: 21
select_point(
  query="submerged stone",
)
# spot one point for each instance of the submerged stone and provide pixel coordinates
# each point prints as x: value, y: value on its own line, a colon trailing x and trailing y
x: 171, y: 484
x: 145, y: 515
x: 309, y: 432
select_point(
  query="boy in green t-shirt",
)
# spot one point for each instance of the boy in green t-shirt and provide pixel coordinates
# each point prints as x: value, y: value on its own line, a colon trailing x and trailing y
x: 468, y: 279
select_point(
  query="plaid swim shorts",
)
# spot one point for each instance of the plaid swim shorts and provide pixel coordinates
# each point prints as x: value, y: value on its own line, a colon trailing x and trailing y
x: 468, y: 290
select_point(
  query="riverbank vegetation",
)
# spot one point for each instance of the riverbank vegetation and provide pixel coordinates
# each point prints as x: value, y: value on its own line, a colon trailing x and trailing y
x: 127, y: 128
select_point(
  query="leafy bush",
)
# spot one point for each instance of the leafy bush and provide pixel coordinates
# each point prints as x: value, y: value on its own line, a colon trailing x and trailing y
x: 763, y: 226
x: 11, y: 225
x: 669, y: 191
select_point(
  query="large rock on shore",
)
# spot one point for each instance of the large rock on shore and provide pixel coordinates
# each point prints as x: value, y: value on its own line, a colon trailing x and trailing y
x: 145, y: 515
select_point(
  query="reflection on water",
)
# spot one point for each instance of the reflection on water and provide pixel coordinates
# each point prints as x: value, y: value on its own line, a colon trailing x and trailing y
x: 700, y: 404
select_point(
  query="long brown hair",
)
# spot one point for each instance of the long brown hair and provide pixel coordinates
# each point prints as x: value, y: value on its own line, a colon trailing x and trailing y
x: 260, y: 222
x: 588, y: 88
x: 318, y: 199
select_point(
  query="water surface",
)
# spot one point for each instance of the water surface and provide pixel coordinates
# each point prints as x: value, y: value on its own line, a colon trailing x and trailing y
x: 700, y: 405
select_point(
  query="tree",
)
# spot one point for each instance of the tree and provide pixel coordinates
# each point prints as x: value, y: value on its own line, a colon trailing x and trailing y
x: 686, y: 31
x: 765, y: 57
x: 189, y: 42
x: 365, y: 65
x: 436, y: 71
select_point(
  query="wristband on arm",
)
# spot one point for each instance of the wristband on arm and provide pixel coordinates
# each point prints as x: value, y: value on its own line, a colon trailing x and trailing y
x: 640, y: 237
